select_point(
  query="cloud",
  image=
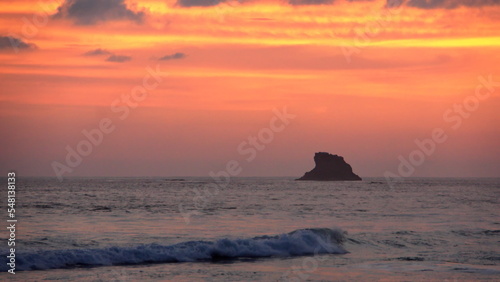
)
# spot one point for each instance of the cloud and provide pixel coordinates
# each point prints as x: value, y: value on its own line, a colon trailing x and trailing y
x: 310, y: 2
x: 450, y: 4
x: 199, y: 3
x: 97, y: 52
x: 7, y: 42
x: 90, y: 12
x: 393, y: 3
x: 118, y: 58
x: 111, y: 58
x: 175, y: 56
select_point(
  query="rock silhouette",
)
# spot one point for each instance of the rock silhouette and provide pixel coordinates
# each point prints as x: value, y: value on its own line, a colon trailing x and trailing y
x: 330, y: 168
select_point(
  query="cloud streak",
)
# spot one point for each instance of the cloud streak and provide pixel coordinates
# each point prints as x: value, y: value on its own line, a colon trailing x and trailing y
x: 118, y: 58
x: 7, y: 42
x: 175, y: 56
x: 199, y: 3
x: 91, y: 12
x: 450, y: 4
x: 310, y: 2
x: 111, y: 57
x: 97, y: 52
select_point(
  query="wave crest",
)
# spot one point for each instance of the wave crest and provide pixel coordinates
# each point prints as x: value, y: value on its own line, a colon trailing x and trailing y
x: 297, y: 243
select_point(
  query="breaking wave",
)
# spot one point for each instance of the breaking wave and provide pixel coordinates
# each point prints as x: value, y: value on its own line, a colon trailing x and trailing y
x: 297, y: 243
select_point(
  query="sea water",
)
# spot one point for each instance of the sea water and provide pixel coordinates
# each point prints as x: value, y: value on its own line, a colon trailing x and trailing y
x: 255, y: 229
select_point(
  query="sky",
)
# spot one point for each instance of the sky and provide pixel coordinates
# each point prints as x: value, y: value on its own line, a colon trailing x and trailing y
x: 249, y: 87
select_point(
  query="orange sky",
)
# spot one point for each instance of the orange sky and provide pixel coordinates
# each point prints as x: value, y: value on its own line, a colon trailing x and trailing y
x: 364, y: 81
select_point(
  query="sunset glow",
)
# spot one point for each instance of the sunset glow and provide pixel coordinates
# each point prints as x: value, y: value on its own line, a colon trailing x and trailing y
x: 364, y: 80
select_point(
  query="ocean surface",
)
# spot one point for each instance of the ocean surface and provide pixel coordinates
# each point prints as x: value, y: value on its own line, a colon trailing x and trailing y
x: 254, y: 229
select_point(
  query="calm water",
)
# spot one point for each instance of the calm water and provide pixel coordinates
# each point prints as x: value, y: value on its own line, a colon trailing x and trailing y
x: 267, y: 229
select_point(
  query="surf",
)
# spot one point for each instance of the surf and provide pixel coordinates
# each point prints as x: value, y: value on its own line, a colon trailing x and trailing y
x: 300, y: 242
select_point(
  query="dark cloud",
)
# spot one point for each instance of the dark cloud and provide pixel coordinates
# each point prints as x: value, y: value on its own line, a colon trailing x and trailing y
x: 450, y: 4
x: 199, y: 3
x: 7, y: 42
x: 173, y: 57
x: 310, y: 2
x: 89, y: 12
x: 118, y: 58
x: 97, y: 52
x: 422, y: 4
x: 111, y: 57
x: 393, y: 3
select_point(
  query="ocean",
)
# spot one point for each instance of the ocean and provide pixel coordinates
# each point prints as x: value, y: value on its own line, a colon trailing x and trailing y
x: 254, y: 229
